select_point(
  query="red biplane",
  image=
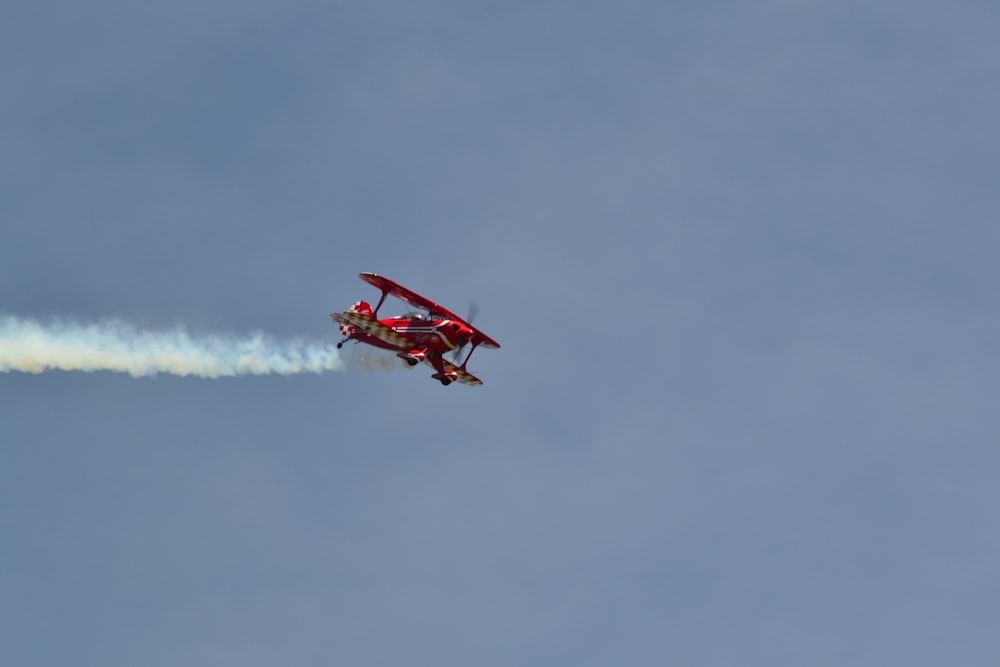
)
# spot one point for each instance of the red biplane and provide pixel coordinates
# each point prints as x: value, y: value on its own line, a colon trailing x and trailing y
x: 416, y: 336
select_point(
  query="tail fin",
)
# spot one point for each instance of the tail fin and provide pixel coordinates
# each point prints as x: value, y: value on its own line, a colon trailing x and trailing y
x: 360, y: 307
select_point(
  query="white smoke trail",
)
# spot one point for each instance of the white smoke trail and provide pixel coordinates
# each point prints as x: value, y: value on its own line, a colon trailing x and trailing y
x: 113, y: 345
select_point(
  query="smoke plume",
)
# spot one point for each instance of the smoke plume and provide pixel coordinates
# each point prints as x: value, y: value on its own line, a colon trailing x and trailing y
x: 113, y: 345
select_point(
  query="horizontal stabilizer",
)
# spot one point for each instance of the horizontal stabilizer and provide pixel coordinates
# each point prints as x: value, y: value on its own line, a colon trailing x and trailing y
x: 372, y: 327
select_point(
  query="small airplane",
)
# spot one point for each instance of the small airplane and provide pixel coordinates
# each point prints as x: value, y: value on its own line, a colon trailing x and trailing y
x: 415, y: 336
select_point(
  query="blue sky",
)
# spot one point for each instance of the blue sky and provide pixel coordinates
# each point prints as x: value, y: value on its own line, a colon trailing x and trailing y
x: 740, y: 257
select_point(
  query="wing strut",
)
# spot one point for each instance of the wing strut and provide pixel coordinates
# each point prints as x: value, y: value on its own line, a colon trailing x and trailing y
x: 385, y: 293
x: 469, y: 356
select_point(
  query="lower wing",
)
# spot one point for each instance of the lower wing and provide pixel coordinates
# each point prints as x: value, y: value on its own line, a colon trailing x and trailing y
x: 464, y: 377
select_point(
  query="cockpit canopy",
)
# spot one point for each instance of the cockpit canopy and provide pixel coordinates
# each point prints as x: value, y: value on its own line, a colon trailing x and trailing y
x: 415, y: 315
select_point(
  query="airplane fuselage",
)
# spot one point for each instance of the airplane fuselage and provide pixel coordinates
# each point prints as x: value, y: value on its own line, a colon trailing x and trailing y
x: 440, y: 336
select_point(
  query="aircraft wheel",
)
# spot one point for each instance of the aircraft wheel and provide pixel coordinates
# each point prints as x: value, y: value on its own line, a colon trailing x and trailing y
x: 412, y: 362
x: 445, y: 382
x: 340, y: 345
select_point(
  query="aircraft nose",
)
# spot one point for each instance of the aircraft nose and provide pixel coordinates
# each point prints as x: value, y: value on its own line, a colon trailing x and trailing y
x: 463, y: 333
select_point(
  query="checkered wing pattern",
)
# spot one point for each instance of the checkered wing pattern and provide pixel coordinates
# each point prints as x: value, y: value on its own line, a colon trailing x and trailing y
x: 370, y: 326
x: 463, y: 376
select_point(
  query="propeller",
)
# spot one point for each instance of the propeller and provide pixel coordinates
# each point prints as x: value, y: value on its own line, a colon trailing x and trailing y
x: 473, y: 311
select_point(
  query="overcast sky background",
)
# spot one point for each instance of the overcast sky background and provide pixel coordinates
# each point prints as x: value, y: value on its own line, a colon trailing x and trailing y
x: 741, y: 257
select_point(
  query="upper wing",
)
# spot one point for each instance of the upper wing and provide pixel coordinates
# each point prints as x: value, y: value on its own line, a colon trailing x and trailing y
x: 371, y: 327
x: 415, y: 300
x: 409, y: 296
x: 479, y: 338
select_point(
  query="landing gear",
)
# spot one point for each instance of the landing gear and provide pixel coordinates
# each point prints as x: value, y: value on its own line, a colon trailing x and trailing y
x: 413, y: 357
x: 445, y: 378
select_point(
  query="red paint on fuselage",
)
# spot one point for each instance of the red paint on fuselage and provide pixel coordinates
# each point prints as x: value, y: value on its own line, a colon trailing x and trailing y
x: 433, y: 335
